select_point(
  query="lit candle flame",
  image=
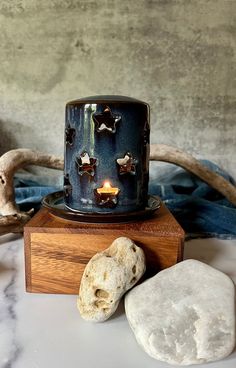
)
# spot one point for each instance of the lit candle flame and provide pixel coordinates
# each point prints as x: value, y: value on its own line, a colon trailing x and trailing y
x: 106, y: 184
x: 107, y: 189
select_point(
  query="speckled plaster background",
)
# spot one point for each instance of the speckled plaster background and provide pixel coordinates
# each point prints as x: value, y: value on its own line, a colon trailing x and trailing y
x: 178, y: 55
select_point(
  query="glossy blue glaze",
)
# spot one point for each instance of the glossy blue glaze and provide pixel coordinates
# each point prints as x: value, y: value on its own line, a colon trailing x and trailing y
x: 100, y: 132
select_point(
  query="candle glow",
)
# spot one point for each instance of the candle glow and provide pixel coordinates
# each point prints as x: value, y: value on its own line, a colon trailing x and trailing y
x: 108, y: 189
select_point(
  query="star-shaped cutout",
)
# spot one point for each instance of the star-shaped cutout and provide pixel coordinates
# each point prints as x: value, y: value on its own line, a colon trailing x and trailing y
x: 86, y: 164
x: 70, y: 134
x: 67, y: 185
x: 106, y: 121
x: 127, y: 164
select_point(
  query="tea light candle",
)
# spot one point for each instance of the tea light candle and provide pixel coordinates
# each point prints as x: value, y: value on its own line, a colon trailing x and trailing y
x: 107, y: 189
x: 106, y: 196
x: 106, y: 137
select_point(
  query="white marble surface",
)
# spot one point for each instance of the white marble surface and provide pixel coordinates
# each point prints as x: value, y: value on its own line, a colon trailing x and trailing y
x: 44, y: 331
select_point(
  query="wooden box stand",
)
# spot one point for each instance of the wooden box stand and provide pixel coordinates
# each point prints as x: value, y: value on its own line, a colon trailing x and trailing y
x: 57, y: 250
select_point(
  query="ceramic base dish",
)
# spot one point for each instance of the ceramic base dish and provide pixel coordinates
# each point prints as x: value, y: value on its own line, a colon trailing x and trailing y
x: 54, y: 202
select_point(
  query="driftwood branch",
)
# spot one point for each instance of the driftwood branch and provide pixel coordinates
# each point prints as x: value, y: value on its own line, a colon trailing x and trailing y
x: 11, y: 162
x: 14, y: 223
x: 13, y: 220
x: 162, y: 152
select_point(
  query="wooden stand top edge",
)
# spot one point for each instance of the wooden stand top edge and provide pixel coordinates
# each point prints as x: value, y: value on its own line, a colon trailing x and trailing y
x: 162, y: 223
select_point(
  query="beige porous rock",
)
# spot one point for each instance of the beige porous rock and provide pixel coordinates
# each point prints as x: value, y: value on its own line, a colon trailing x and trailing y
x: 107, y: 276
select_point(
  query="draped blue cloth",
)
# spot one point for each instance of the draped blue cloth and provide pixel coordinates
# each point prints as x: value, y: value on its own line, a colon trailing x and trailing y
x: 200, y: 210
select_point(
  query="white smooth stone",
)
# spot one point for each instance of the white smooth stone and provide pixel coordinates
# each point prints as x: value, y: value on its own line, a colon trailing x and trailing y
x: 107, y: 276
x: 184, y: 314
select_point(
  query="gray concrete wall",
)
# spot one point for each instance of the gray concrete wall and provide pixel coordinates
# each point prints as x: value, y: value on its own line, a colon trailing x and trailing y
x: 177, y: 55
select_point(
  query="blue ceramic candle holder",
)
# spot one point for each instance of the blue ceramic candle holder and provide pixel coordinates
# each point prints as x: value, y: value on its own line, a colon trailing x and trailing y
x: 106, y: 155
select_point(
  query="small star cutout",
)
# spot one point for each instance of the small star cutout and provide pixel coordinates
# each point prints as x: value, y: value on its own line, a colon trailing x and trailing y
x: 107, y: 200
x: 106, y: 121
x: 86, y: 164
x: 70, y: 134
x: 67, y: 185
x: 127, y: 164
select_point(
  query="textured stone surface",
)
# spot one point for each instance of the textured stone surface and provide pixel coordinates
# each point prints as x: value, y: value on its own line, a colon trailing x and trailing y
x: 107, y: 276
x: 185, y: 314
x: 177, y: 55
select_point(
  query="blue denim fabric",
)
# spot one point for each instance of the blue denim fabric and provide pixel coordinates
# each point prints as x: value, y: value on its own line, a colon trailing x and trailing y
x: 199, y: 209
x: 29, y: 193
